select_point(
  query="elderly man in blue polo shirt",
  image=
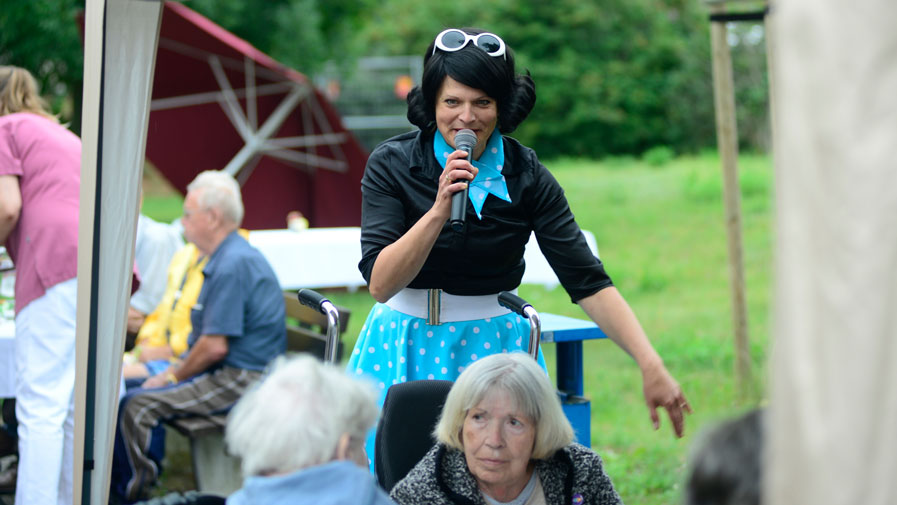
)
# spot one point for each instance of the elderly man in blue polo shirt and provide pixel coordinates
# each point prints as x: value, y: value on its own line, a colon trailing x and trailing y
x: 238, y: 327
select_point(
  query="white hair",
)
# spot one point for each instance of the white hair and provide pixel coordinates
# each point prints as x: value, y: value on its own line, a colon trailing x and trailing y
x: 520, y: 376
x: 295, y: 416
x: 220, y: 191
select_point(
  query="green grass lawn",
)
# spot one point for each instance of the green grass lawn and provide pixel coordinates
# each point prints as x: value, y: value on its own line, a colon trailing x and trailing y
x: 661, y: 234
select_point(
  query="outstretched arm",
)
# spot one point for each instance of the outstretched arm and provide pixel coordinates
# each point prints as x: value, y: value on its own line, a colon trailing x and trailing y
x: 611, y: 312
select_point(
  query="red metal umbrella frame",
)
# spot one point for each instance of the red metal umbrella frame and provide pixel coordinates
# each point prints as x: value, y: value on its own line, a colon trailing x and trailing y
x: 276, y: 119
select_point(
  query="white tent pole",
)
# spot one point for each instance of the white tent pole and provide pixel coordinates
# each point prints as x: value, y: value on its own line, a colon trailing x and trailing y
x: 120, y: 50
x: 727, y: 142
x: 94, y: 13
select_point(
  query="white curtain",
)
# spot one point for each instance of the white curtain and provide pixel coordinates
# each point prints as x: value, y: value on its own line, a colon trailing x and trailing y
x: 119, y: 59
x: 833, y: 409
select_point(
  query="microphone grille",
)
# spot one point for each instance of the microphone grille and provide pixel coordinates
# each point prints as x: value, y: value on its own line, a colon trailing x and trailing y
x: 465, y: 140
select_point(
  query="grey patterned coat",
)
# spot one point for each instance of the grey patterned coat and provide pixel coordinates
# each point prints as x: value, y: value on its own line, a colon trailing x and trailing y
x: 573, y: 476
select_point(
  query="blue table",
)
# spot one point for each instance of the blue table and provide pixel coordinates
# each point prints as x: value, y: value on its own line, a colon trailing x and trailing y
x: 568, y: 333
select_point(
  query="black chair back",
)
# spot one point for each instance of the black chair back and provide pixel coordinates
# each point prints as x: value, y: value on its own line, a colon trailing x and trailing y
x: 404, y: 435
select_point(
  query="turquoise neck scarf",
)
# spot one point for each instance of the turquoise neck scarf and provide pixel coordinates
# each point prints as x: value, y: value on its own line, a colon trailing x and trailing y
x: 489, y: 178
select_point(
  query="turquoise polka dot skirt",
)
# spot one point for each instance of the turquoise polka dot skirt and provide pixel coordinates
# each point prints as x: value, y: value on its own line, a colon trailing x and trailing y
x: 394, y: 347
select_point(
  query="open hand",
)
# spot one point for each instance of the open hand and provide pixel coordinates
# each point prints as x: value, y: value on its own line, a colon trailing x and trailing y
x: 661, y: 390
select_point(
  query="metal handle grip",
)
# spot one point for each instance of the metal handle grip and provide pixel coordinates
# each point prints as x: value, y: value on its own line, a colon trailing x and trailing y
x: 319, y: 302
x: 522, y: 307
x: 311, y: 298
x: 513, y: 302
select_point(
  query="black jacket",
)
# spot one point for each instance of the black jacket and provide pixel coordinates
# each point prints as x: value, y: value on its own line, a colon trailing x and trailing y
x: 573, y: 476
x: 399, y: 187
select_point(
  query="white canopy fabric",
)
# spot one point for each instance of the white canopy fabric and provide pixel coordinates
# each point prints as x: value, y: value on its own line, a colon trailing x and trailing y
x: 833, y: 409
x: 119, y: 53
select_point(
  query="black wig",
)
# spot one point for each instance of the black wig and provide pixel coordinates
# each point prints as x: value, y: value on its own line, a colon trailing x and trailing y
x: 473, y: 67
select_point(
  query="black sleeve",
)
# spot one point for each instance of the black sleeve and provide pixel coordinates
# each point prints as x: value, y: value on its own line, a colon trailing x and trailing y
x: 382, y: 208
x: 560, y: 238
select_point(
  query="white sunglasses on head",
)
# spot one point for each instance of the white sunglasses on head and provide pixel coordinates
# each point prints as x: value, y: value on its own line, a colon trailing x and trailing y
x: 453, y: 39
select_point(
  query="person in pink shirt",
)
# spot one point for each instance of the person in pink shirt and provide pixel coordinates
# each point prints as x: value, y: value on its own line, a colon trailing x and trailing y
x: 40, y: 165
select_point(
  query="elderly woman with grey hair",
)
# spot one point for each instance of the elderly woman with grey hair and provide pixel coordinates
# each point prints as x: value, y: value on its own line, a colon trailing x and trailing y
x: 503, y: 438
x: 300, y: 434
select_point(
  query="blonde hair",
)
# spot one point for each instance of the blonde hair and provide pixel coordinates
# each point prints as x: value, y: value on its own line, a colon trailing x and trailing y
x: 19, y: 93
x: 521, y: 377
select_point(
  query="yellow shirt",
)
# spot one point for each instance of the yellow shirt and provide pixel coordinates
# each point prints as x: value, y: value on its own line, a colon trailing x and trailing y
x: 169, y: 324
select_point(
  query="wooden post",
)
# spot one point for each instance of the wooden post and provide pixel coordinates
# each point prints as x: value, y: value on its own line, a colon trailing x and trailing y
x: 727, y: 143
x: 770, y: 36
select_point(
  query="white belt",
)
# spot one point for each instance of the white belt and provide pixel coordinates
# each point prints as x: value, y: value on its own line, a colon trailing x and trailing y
x: 437, y: 306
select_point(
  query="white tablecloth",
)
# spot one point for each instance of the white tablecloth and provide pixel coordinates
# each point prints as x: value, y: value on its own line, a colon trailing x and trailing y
x: 328, y: 257
x: 7, y: 358
x: 312, y: 258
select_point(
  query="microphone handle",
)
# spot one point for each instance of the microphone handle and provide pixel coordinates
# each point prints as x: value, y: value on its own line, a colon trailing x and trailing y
x: 459, y: 209
x: 459, y: 202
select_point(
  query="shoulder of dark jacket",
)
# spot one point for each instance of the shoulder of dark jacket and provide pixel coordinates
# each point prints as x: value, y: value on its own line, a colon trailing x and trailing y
x: 406, y: 144
x: 518, y: 157
x: 451, y: 463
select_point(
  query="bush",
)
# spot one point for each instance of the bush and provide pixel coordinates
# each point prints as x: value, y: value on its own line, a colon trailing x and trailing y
x: 658, y: 156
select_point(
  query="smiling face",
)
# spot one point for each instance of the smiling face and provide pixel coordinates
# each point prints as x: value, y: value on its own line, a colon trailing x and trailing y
x: 498, y: 443
x: 458, y: 107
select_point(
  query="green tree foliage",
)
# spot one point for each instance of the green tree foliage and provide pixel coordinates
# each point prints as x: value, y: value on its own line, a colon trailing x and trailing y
x: 302, y: 34
x: 608, y: 73
x: 612, y: 76
x: 43, y: 37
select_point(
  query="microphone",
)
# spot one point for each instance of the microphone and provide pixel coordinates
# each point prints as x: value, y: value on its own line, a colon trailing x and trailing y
x: 464, y: 141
